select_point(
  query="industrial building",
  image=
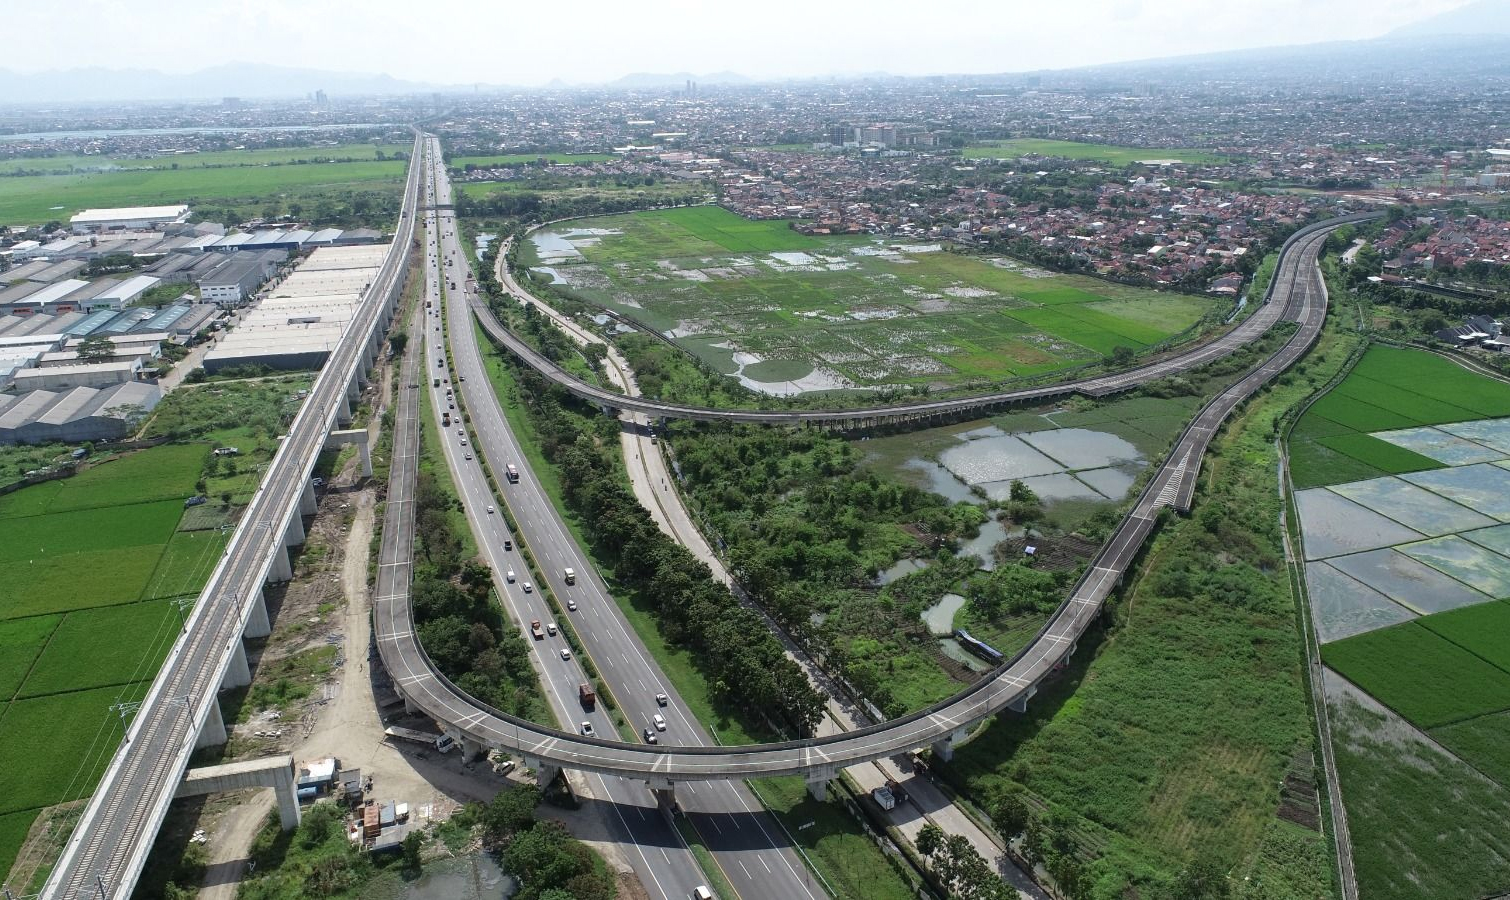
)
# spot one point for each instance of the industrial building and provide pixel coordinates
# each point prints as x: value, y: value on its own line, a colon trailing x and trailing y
x: 128, y: 217
x: 302, y: 319
x: 79, y: 414
x: 62, y: 377
x: 239, y: 276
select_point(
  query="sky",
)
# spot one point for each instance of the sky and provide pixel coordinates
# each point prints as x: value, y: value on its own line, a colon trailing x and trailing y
x: 531, y: 42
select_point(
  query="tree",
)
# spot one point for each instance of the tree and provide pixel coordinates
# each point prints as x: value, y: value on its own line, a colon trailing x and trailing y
x: 930, y: 839
x: 1010, y: 815
x: 397, y: 341
x: 413, y: 843
x: 96, y: 348
x: 1121, y: 355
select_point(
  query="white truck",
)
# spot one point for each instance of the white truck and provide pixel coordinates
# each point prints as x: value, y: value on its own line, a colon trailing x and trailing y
x: 442, y: 742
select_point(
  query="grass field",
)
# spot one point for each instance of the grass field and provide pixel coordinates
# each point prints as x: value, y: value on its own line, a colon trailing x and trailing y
x: 1389, y: 388
x: 1107, y: 153
x: 42, y: 198
x: 167, y: 473
x: 101, y: 528
x: 517, y: 159
x: 848, y: 311
x: 55, y: 747
x: 66, y: 162
x: 21, y: 640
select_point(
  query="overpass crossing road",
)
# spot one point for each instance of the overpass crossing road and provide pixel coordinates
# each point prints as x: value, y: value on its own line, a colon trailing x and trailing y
x: 1296, y: 294
x: 1245, y: 333
x: 105, y: 854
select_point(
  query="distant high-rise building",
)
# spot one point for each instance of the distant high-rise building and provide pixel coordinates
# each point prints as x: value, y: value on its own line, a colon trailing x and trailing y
x: 839, y: 135
x: 321, y: 99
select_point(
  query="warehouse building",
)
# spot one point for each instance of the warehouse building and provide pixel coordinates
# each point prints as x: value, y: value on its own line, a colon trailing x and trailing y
x: 128, y: 217
x: 120, y: 294
x: 96, y: 375
x: 79, y: 414
x: 303, y: 318
x: 239, y: 277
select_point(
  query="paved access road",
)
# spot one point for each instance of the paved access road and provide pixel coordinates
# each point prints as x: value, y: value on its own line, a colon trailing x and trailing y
x: 746, y: 843
x: 109, y: 846
x: 1297, y: 294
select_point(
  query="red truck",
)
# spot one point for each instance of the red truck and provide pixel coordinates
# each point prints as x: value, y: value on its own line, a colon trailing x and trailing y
x: 587, y: 696
x: 536, y: 630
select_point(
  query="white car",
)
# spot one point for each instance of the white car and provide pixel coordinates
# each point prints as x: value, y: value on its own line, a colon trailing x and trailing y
x: 661, y: 699
x: 550, y: 628
x: 565, y: 654
x: 510, y: 576
x: 571, y: 605
x: 528, y: 587
x: 490, y: 509
x: 587, y: 729
x: 660, y: 722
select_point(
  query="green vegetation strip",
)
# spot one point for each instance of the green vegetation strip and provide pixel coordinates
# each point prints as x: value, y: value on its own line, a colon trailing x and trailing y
x: 1107, y: 153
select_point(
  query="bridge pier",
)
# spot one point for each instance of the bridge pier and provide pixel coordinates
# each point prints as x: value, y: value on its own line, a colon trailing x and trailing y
x: 943, y: 748
x: 545, y: 772
x: 213, y: 732
x: 358, y: 436
x: 471, y: 748
x: 817, y: 782
x: 257, y: 625
x: 281, y: 570
x: 238, y: 674
x: 343, y: 413
x: 275, y: 772
x: 308, y: 503
x: 293, y: 535
x: 1020, y: 705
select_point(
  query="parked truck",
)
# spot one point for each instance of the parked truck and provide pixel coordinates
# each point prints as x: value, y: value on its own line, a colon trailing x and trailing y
x: 513, y: 474
x: 587, y: 696
x: 442, y: 742
x: 536, y: 631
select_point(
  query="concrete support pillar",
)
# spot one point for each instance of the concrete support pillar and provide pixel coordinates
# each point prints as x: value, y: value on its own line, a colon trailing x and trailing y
x: 366, y: 460
x: 943, y: 748
x: 308, y: 503
x: 287, y: 793
x: 257, y: 625
x: 545, y: 772
x: 664, y: 794
x: 471, y: 749
x: 293, y: 535
x: 281, y: 569
x: 343, y: 413
x: 238, y: 673
x: 213, y: 732
x: 1020, y: 705
x: 409, y: 708
x: 354, y: 387
x: 817, y: 783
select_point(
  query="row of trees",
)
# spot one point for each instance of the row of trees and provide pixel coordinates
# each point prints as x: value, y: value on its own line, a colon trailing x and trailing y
x: 548, y: 861
x: 735, y: 651
x: 460, y: 626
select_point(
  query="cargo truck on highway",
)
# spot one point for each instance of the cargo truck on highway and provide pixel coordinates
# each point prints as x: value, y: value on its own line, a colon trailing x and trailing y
x: 445, y: 420
x: 570, y: 575
x: 536, y: 631
x: 513, y: 474
x: 587, y: 696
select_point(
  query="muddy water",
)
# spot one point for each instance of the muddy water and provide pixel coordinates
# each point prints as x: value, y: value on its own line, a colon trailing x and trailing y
x: 940, y: 616
x: 476, y: 876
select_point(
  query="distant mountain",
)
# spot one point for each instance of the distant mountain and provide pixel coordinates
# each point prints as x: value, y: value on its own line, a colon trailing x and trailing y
x: 1478, y: 18
x: 246, y: 80
x: 651, y: 80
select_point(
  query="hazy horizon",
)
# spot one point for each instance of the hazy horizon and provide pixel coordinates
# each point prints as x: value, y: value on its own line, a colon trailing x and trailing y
x: 532, y: 45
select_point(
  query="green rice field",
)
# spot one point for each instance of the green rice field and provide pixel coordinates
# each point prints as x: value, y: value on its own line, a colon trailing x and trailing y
x: 1447, y: 673
x: 1389, y: 388
x: 519, y: 159
x: 41, y: 198
x: 65, y: 162
x: 1107, y: 153
x: 761, y: 301
x: 84, y: 617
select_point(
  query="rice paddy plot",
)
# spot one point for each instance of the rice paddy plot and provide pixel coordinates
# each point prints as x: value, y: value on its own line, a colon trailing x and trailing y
x: 1412, y: 506
x: 1441, y: 445
x: 20, y: 642
x: 161, y: 473
x: 102, y: 528
x: 1419, y: 674
x: 1343, y: 606
x: 1483, y: 487
x: 1492, y: 434
x: 1482, y: 742
x: 1407, y: 581
x: 186, y: 563
x: 77, y: 580
x: 1481, y: 630
x: 1334, y: 525
x: 14, y: 828
x: 56, y: 747
x: 99, y: 647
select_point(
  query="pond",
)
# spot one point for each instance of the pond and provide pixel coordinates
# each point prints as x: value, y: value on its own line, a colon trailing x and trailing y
x: 899, y: 569
x: 476, y: 876
x: 940, y: 616
x: 992, y: 533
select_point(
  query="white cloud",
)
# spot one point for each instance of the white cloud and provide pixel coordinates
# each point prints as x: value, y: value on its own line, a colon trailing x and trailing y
x: 517, y: 42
